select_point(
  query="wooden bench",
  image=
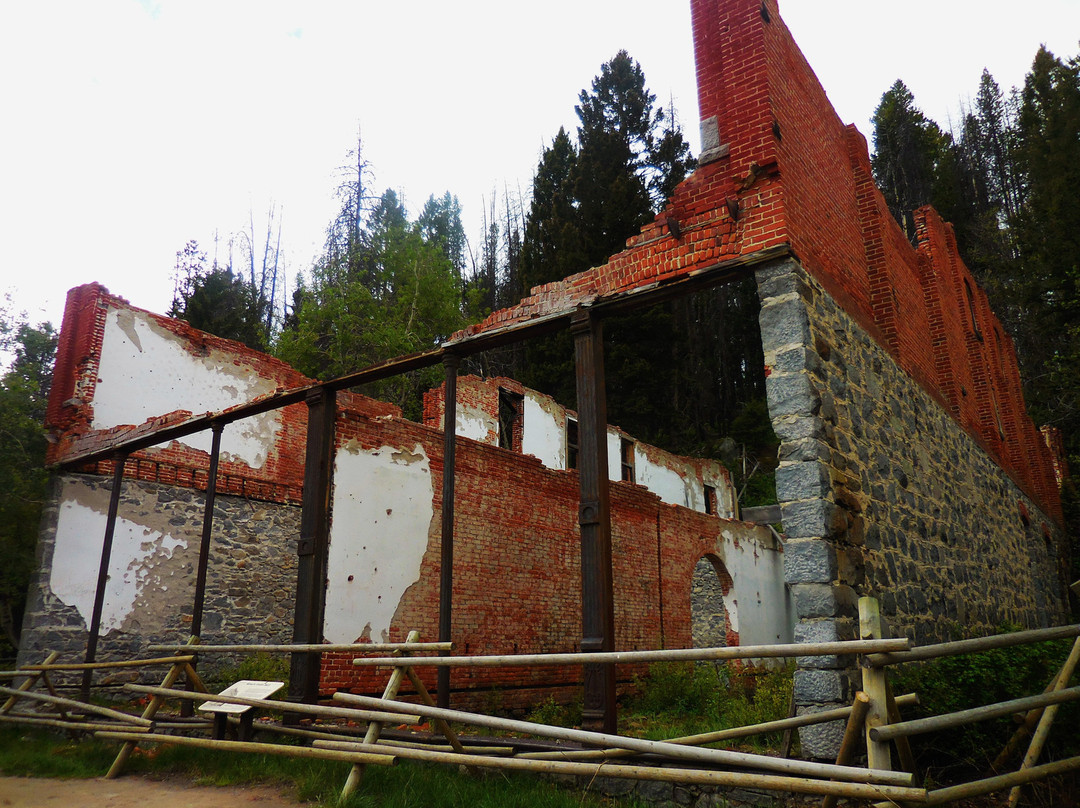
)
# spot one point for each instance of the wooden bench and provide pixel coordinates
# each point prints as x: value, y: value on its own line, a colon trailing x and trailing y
x: 245, y: 689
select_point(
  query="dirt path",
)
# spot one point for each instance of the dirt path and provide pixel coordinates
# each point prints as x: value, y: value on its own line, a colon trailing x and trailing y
x: 134, y: 792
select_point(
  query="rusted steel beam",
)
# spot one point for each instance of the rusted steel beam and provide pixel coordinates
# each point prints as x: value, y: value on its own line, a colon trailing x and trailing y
x: 207, y: 530
x: 103, y: 573
x: 314, y: 544
x: 594, y: 516
x: 451, y: 361
x: 718, y: 274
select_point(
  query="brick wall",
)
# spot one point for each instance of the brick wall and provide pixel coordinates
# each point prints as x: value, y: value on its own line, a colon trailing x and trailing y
x: 789, y: 172
x: 517, y: 567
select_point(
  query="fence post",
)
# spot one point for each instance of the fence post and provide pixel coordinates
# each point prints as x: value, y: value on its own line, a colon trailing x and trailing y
x: 875, y: 685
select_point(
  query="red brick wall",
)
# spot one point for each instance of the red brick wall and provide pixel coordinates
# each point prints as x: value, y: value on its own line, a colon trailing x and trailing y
x: 517, y: 568
x: 69, y: 416
x: 795, y: 175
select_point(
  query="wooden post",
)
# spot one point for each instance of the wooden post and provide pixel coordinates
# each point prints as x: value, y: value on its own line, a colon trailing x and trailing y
x: 314, y: 543
x: 356, y: 774
x: 875, y: 686
x: 594, y: 517
x: 446, y: 569
x: 207, y: 529
x: 1043, y: 729
x: 148, y: 714
x: 204, y: 550
x: 103, y: 572
x: 851, y: 734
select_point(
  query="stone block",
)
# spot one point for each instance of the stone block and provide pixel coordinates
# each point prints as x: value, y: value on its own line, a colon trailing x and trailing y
x: 791, y: 394
x: 796, y: 481
x: 809, y: 561
x: 820, y: 687
x: 821, y: 741
x: 799, y: 427
x: 814, y: 600
x: 783, y: 321
x: 812, y: 519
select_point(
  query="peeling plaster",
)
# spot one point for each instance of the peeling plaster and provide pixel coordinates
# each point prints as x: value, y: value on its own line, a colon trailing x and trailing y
x: 383, y: 512
x: 474, y: 423
x: 141, y: 561
x: 544, y: 431
x: 759, y: 605
x: 146, y: 371
x: 670, y: 485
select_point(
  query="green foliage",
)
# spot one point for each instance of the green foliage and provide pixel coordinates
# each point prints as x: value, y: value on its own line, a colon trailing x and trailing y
x: 382, y: 292
x: 909, y: 152
x: 214, y: 300
x: 259, y: 666
x: 556, y: 714
x: 685, y: 698
x: 972, y: 680
x: 24, y: 393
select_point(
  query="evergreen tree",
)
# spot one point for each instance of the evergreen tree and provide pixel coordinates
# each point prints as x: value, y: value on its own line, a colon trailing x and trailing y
x: 214, y: 300
x: 383, y: 291
x: 678, y: 373
x: 1048, y: 234
x: 908, y: 150
x: 24, y: 393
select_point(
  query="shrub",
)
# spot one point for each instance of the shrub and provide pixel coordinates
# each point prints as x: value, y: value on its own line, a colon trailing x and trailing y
x: 962, y: 682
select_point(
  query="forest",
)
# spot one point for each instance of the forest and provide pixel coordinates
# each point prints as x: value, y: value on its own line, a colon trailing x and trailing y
x: 686, y: 375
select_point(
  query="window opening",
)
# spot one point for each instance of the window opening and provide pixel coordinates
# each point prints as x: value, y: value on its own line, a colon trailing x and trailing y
x: 626, y: 454
x: 710, y: 500
x: 511, y: 419
x: 571, y: 443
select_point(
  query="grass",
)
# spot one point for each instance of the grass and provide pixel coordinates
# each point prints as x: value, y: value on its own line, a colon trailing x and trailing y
x: 674, y: 699
x: 408, y: 785
x: 685, y: 698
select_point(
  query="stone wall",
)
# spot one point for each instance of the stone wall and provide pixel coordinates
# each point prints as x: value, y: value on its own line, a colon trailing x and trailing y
x: 251, y: 577
x: 884, y: 494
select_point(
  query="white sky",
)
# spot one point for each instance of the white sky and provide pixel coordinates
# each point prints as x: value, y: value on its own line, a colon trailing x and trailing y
x: 128, y: 127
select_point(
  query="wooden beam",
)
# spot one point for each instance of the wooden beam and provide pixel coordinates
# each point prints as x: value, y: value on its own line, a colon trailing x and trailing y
x: 313, y: 547
x: 594, y: 517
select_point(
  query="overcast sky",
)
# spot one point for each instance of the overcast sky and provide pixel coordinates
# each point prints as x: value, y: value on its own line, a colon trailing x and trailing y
x: 131, y: 126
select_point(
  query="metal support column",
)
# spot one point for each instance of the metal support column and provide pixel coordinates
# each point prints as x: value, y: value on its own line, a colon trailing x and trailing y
x: 594, y: 516
x: 314, y: 543
x: 207, y: 528
x: 103, y: 572
x: 451, y: 362
x: 187, y: 708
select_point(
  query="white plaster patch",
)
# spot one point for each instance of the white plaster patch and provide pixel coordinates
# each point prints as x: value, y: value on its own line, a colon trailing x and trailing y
x: 146, y: 372
x: 663, y: 481
x: 543, y: 436
x: 473, y: 422
x: 383, y: 510
x: 80, y: 534
x: 757, y: 577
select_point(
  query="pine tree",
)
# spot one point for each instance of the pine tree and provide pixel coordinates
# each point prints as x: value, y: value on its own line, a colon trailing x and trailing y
x: 908, y: 148
x: 215, y: 300
x: 1048, y: 234
x: 24, y: 393
x: 382, y: 292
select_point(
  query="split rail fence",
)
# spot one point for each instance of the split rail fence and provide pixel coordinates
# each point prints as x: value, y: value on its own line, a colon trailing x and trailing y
x: 332, y: 731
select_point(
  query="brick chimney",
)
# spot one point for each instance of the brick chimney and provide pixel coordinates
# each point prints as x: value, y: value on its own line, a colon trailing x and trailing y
x: 733, y: 83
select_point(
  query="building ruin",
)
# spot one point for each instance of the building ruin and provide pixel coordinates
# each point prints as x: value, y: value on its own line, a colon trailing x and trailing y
x: 909, y: 468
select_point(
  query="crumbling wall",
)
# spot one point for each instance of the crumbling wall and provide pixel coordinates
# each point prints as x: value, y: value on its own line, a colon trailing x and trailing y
x: 698, y: 483
x: 251, y: 576
x: 517, y: 562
